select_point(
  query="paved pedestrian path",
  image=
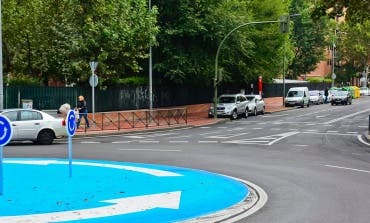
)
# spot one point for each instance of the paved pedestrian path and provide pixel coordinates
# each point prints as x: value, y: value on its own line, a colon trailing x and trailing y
x: 197, y: 115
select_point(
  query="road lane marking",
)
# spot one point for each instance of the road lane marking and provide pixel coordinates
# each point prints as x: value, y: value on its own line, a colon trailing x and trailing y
x: 184, y: 141
x: 152, y: 150
x: 210, y: 133
x: 352, y: 133
x: 362, y: 140
x: 301, y: 145
x: 148, y: 141
x: 89, y: 142
x: 121, y: 142
x: 227, y: 136
x: 347, y: 116
x: 208, y: 141
x: 179, y: 137
x: 331, y: 131
x: 347, y: 168
x: 265, y: 140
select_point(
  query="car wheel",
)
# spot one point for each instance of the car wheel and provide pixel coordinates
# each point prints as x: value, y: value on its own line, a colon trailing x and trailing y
x: 308, y: 104
x: 263, y: 110
x: 332, y: 104
x: 45, y: 137
x: 246, y: 113
x: 210, y: 116
x: 234, y: 115
x: 255, y: 112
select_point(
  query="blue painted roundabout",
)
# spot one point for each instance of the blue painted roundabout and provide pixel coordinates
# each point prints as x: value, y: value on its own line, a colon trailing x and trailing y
x: 40, y: 190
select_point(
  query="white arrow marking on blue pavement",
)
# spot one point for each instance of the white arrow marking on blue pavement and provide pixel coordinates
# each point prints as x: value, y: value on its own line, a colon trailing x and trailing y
x: 154, y: 172
x: 4, y: 135
x: 170, y: 200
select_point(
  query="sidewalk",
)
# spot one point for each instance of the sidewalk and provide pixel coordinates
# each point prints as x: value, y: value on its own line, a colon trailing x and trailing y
x: 197, y: 115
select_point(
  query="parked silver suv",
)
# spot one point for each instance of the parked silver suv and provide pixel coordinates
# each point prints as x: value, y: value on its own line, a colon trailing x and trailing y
x: 230, y: 105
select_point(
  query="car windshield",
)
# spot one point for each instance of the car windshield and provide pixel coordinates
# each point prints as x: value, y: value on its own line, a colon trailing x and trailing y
x: 226, y: 99
x: 250, y: 98
x: 295, y: 93
x: 314, y: 93
x: 341, y: 93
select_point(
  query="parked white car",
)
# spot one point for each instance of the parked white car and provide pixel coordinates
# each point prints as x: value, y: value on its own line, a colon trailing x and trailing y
x: 316, y: 97
x: 230, y: 105
x: 34, y: 125
x: 256, y: 104
x: 364, y: 91
x: 297, y: 96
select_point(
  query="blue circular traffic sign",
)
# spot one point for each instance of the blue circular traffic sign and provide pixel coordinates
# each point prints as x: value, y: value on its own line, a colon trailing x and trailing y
x: 6, y: 130
x: 71, y: 123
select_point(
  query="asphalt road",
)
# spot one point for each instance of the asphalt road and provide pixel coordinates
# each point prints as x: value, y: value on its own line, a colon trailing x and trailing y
x: 310, y: 161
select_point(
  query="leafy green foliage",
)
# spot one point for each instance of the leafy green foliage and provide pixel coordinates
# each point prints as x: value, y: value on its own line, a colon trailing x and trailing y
x: 309, y: 38
x: 58, y: 39
x: 191, y: 32
x: 24, y: 80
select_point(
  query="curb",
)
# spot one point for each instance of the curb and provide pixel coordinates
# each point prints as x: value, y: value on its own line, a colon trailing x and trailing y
x: 143, y: 130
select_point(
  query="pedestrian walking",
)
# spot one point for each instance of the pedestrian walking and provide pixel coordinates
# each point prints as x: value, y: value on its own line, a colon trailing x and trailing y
x: 326, y: 93
x: 82, y: 111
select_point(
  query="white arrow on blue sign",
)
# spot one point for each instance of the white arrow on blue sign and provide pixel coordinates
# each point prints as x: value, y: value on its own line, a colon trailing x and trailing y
x: 71, y: 123
x: 6, y: 130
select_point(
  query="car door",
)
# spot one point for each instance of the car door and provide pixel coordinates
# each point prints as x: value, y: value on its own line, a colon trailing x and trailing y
x: 259, y: 103
x: 241, y: 104
x: 13, y: 117
x: 29, y: 124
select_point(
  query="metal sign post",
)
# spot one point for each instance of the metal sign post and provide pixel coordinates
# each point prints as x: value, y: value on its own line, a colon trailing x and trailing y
x: 6, y: 133
x: 71, y: 129
x: 93, y: 83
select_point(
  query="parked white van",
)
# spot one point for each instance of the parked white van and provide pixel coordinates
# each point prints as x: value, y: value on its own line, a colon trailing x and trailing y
x: 297, y: 96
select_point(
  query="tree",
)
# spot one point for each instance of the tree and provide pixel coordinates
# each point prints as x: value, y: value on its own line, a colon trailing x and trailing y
x: 49, y: 38
x: 308, y: 37
x: 356, y: 11
x: 192, y: 30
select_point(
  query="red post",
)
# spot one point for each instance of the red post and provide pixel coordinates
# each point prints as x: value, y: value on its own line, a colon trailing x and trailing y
x: 260, y: 85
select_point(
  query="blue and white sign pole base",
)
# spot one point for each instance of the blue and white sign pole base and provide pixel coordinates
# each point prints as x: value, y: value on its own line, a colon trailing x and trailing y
x: 70, y: 155
x: 6, y: 133
x: 71, y: 129
x: 1, y: 170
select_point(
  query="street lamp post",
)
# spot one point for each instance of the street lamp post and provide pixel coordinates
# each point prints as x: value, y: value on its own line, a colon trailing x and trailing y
x: 150, y: 70
x: 216, y: 79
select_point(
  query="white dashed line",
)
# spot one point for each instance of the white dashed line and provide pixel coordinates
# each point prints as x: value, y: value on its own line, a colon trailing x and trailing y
x: 152, y: 150
x: 147, y: 141
x: 207, y: 141
x: 89, y: 142
x: 346, y: 168
x: 332, y: 131
x: 301, y: 145
x: 179, y: 141
x: 121, y: 142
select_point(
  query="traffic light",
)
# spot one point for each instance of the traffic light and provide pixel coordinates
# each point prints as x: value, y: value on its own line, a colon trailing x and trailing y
x: 284, y: 23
